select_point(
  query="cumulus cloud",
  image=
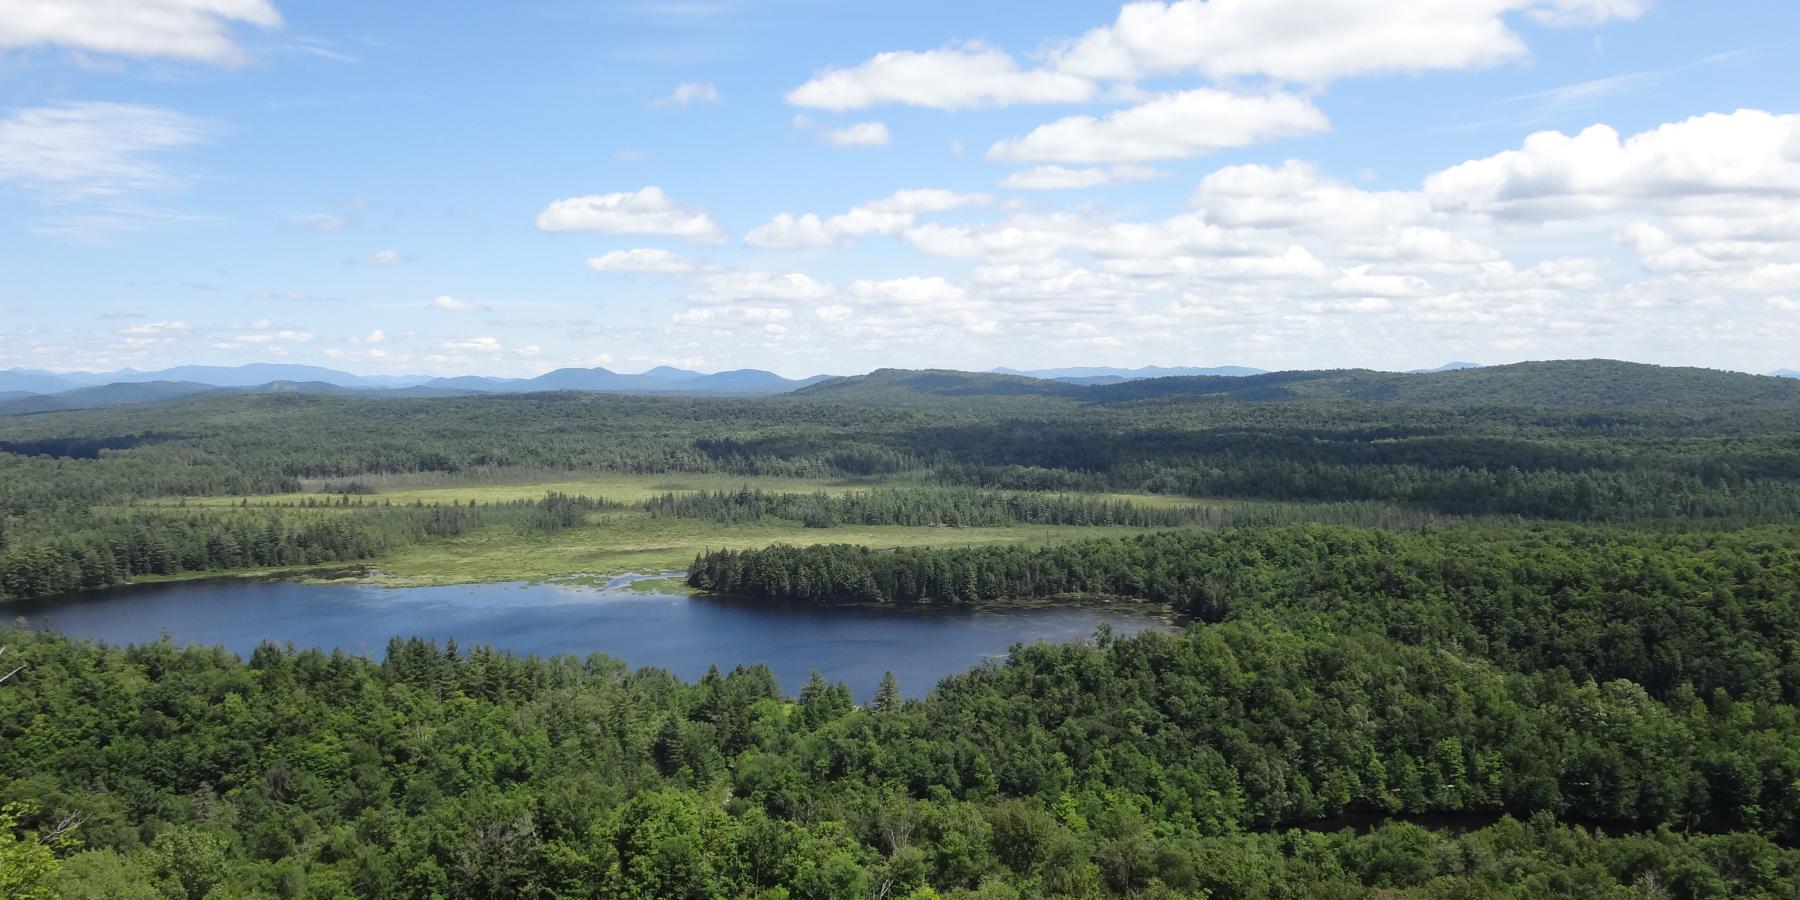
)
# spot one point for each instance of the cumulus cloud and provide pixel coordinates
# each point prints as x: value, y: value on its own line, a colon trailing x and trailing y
x: 1316, y: 41
x: 385, y: 258
x: 644, y: 260
x: 925, y: 200
x: 889, y: 215
x: 1748, y: 153
x: 971, y: 75
x: 859, y: 134
x: 733, y: 287
x: 688, y: 93
x: 193, y: 30
x: 643, y: 212
x: 482, y: 345
x: 910, y: 291
x: 1062, y: 178
x: 1173, y: 126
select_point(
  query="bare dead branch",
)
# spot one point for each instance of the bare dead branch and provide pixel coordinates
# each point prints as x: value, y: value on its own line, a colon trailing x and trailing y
x: 60, y: 830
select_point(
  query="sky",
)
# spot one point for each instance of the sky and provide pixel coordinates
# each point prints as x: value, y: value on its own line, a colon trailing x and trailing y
x: 824, y: 186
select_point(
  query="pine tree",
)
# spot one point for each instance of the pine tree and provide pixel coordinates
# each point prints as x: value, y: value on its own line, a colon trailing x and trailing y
x: 887, y: 696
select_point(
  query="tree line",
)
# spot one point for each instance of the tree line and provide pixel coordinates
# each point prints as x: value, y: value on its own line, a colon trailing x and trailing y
x: 972, y: 508
x: 1662, y: 609
x: 57, y: 552
x: 1629, y: 463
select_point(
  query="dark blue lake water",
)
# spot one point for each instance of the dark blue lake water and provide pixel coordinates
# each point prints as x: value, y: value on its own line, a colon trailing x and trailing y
x: 681, y: 634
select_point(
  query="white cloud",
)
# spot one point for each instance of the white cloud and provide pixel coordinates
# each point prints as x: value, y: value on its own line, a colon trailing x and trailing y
x: 859, y: 134
x: 647, y: 211
x: 98, y: 154
x: 961, y: 76
x: 1745, y: 154
x: 1361, y: 280
x: 385, y: 258
x: 1061, y: 178
x: 376, y: 336
x: 1363, y: 305
x: 889, y: 215
x: 1173, y: 126
x: 688, y: 93
x: 371, y: 353
x: 195, y: 30
x: 787, y: 230
x: 452, y: 304
x: 156, y: 328
x: 742, y: 288
x: 925, y: 200
x: 728, y: 315
x: 1298, y: 195
x: 912, y: 291
x: 474, y: 345
x: 1315, y: 41
x: 1567, y: 13
x: 643, y: 259
x: 262, y: 336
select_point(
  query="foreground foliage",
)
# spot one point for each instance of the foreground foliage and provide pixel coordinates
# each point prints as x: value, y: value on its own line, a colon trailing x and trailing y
x: 1151, y: 766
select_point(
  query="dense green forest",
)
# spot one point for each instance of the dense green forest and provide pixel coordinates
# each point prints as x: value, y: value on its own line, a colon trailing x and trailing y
x: 1150, y: 766
x: 1527, y: 631
x: 1608, y: 442
x: 84, y: 550
x: 1664, y: 610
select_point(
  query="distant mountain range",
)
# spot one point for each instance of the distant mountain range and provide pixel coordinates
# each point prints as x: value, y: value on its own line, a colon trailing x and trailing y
x: 1579, y: 383
x: 35, y: 390
x: 38, y: 381
x: 1583, y: 383
x: 1107, y: 375
x: 660, y: 380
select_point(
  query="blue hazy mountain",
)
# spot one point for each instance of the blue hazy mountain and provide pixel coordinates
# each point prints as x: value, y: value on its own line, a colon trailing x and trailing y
x: 38, y: 381
x: 660, y: 380
x: 34, y: 381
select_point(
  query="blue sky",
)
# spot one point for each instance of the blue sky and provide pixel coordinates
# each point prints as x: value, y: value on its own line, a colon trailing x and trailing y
x: 829, y: 187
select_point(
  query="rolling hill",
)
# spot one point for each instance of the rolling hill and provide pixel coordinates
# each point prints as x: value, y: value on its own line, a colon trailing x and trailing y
x: 1595, y: 383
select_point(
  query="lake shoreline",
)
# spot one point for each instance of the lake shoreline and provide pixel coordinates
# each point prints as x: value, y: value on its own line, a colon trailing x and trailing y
x: 631, y: 618
x: 669, y: 583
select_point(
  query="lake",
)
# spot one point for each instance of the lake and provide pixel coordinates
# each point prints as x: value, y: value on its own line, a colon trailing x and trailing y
x: 682, y: 634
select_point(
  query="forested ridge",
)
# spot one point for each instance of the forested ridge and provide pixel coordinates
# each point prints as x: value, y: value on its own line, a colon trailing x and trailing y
x: 1682, y: 452
x: 1663, y: 609
x: 1537, y: 626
